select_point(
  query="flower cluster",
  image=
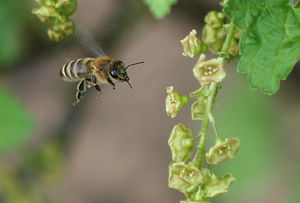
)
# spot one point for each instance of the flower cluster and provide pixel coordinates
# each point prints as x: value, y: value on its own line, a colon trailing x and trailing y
x: 197, y: 183
x: 187, y: 174
x: 214, y: 33
x: 58, y: 12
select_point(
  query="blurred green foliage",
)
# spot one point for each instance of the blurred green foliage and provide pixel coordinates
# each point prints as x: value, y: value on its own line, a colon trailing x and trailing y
x: 249, y: 116
x: 10, y: 21
x: 45, y: 162
x: 295, y: 194
x: 38, y: 171
x: 11, y: 188
x: 160, y: 8
x: 15, y: 122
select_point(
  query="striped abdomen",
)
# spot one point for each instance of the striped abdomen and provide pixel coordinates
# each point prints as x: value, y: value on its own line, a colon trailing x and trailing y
x: 76, y: 70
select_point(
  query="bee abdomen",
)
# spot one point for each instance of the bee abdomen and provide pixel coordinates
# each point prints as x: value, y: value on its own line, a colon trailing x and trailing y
x: 75, y: 70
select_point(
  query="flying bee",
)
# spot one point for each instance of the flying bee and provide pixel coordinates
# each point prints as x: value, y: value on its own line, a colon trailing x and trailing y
x: 89, y: 72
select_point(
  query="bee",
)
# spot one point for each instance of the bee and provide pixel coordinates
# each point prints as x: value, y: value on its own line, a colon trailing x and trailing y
x: 92, y: 72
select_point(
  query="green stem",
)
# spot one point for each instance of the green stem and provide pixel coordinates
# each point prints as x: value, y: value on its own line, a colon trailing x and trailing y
x: 198, y: 158
x: 210, y: 101
x: 228, y: 40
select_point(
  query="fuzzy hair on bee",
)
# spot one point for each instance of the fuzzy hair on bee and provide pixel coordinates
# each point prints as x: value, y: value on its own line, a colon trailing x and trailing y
x: 93, y: 72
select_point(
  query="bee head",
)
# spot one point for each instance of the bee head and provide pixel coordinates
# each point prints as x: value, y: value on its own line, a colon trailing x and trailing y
x: 119, y: 71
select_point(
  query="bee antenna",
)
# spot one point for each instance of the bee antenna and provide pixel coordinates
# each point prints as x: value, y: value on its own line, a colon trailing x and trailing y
x: 129, y: 84
x: 134, y: 64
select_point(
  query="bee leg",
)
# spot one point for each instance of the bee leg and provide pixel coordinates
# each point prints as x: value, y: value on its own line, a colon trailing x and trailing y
x: 94, y: 80
x: 79, y: 96
x: 110, y: 81
x: 81, y: 90
x: 89, y: 82
x: 81, y: 87
x: 99, y: 90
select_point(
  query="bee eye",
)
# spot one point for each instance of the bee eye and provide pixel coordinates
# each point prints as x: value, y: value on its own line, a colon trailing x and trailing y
x: 113, y: 73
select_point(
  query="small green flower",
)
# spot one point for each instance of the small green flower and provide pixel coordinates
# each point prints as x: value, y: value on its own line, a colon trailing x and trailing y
x: 197, y: 184
x: 223, y: 150
x: 198, y: 109
x: 214, y: 37
x: 185, y: 178
x: 61, y: 30
x: 175, y: 101
x: 209, y: 71
x: 192, y: 46
x: 181, y: 143
x: 216, y: 186
x: 215, y: 19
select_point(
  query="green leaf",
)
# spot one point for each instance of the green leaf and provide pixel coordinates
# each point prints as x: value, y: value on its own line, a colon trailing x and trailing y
x: 15, y: 123
x: 160, y: 8
x: 270, y: 45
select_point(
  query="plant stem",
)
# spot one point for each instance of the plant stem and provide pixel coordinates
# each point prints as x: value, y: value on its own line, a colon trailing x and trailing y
x: 228, y: 39
x: 201, y: 145
x: 210, y: 101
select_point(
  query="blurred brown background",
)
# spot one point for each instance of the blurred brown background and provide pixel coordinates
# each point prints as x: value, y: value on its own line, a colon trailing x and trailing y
x: 114, y: 149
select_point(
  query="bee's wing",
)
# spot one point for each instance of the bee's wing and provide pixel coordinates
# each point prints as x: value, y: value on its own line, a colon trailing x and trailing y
x: 88, y: 41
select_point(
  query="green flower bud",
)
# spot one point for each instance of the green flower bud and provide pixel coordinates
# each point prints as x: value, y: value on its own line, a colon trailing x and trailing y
x: 214, y: 37
x: 181, y: 143
x: 223, y: 150
x: 209, y: 71
x: 216, y: 186
x: 175, y: 101
x: 215, y: 19
x: 192, y: 46
x: 185, y: 178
